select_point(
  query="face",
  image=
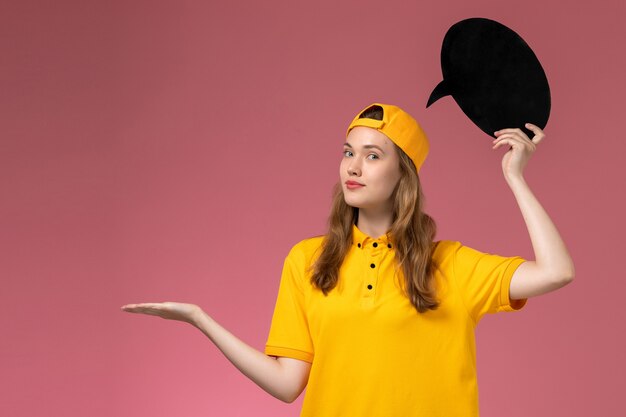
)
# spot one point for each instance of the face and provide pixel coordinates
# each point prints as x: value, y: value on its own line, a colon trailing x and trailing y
x: 370, y: 159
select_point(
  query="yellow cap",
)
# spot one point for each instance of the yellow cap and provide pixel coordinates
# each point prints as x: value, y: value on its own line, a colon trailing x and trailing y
x: 401, y: 128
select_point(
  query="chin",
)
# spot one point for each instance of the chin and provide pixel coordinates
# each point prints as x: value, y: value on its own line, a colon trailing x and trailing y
x: 355, y: 203
x: 352, y: 203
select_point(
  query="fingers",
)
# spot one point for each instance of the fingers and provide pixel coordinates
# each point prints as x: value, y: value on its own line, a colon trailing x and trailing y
x: 142, y: 307
x: 513, y: 140
x: 501, y: 141
x: 519, y: 132
x: 538, y: 137
x: 534, y: 128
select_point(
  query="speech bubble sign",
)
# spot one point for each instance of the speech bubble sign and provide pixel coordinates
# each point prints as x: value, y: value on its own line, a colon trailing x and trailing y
x: 494, y: 76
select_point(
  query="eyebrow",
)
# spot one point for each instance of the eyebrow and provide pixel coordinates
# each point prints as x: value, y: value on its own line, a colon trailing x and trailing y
x: 366, y: 146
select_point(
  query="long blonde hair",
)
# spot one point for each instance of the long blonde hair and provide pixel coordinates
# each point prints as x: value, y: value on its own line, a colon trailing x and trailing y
x: 412, y: 233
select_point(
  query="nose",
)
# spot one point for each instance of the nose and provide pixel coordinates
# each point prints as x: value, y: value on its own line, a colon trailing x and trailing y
x: 354, y: 168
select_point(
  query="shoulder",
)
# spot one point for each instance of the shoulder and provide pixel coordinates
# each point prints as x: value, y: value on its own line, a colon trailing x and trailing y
x: 445, y: 249
x: 304, y: 250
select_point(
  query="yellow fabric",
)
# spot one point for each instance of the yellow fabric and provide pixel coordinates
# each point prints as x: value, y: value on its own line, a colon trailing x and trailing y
x: 401, y: 128
x: 372, y: 353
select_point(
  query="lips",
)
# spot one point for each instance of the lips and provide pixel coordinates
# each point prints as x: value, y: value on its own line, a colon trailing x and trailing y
x: 353, y: 185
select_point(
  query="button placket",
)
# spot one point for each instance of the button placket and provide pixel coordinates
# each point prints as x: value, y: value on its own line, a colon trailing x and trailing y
x: 374, y: 251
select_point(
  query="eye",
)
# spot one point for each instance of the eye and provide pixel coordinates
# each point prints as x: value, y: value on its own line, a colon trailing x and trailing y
x: 345, y: 151
x: 373, y: 154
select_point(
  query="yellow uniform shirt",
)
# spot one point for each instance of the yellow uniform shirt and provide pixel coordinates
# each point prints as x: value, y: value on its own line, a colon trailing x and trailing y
x: 372, y: 353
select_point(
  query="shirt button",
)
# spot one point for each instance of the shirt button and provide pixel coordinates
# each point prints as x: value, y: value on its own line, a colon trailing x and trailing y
x: 369, y: 287
x: 375, y: 244
x: 372, y: 266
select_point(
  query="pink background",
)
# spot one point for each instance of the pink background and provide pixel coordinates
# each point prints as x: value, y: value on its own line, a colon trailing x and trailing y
x: 175, y: 151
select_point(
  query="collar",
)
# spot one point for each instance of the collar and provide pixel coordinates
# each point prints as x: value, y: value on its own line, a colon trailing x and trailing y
x: 361, y: 240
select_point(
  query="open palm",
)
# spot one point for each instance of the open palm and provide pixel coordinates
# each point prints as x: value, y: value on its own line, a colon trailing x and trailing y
x: 167, y: 310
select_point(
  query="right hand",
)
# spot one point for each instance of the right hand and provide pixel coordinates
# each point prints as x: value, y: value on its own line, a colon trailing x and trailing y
x: 167, y: 310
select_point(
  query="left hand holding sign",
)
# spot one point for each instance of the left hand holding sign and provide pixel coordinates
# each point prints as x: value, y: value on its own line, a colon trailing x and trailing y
x: 520, y: 151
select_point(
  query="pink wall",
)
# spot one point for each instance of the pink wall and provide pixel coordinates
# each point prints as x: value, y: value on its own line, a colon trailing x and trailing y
x: 175, y: 151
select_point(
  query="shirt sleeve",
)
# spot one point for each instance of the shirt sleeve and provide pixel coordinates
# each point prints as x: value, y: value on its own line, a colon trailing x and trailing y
x: 484, y: 280
x: 289, y: 332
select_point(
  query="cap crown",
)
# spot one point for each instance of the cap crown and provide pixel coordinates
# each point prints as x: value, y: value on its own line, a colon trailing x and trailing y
x: 400, y: 127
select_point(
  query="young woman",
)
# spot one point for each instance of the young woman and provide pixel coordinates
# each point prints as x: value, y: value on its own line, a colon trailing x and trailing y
x: 375, y: 318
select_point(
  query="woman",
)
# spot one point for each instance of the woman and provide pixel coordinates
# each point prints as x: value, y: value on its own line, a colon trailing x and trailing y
x: 385, y: 326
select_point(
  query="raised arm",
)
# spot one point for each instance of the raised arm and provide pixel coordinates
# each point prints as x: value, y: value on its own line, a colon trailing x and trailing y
x: 553, y: 267
x: 283, y: 378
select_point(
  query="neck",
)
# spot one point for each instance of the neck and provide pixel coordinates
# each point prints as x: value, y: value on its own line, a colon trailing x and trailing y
x: 374, y: 224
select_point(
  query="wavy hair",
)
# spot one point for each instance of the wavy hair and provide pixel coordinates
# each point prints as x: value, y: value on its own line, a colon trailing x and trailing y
x: 412, y: 232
